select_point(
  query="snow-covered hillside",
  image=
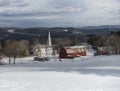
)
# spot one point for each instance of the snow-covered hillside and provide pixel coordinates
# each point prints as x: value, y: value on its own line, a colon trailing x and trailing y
x: 99, y: 73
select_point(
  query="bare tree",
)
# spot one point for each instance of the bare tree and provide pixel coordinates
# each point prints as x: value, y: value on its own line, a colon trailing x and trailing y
x: 24, y: 46
x: 114, y: 42
x: 15, y: 49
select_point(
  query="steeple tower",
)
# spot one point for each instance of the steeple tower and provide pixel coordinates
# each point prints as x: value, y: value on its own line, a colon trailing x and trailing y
x: 49, y: 39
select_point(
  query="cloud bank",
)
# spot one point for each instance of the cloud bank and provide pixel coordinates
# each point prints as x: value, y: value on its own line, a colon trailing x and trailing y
x: 52, y: 13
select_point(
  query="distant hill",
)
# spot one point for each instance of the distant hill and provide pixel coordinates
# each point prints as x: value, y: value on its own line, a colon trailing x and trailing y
x: 104, y: 27
x: 57, y: 32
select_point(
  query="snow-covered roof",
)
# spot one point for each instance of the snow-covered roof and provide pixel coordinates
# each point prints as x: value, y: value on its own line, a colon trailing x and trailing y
x: 75, y: 49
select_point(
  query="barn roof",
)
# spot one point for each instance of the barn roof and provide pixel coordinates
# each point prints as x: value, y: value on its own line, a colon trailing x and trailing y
x: 75, y: 49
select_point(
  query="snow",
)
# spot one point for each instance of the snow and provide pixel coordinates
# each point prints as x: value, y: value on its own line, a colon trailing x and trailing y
x: 91, y: 73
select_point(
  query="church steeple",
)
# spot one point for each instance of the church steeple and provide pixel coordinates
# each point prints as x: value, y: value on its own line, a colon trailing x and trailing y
x: 49, y: 39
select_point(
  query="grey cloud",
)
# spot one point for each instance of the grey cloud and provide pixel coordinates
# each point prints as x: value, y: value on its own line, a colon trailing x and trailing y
x: 19, y: 3
x: 117, y: 12
x: 35, y: 23
x: 16, y: 9
x: 58, y: 12
x: 52, y: 11
x: 12, y: 7
x: 61, y: 4
x: 13, y: 3
x: 4, y: 3
x: 65, y: 3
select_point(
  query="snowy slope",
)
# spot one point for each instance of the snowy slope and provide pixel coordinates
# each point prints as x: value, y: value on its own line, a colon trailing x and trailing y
x: 100, y: 73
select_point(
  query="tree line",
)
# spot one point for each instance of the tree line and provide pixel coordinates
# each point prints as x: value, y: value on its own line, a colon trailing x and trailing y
x: 110, y: 43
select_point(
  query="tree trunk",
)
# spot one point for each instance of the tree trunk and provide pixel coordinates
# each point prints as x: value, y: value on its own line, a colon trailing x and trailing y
x: 14, y: 60
x: 116, y: 51
x: 9, y: 61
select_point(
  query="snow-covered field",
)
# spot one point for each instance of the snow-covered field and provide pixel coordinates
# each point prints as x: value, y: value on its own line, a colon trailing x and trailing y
x: 99, y: 73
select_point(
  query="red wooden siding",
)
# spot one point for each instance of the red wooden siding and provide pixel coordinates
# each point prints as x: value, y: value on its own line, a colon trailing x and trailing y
x: 71, y: 52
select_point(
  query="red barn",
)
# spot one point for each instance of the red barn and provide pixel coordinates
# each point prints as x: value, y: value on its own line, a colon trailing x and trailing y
x: 72, y: 52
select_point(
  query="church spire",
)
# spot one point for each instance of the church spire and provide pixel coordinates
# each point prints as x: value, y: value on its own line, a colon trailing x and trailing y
x: 49, y: 39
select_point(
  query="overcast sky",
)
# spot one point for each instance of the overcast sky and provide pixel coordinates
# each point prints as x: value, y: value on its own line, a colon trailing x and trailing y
x: 59, y: 13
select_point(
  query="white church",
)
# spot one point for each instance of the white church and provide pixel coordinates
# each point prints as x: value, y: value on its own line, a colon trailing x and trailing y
x: 44, y: 50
